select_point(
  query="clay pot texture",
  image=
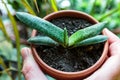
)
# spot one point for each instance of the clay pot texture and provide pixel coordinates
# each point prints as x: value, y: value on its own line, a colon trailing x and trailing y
x: 69, y: 75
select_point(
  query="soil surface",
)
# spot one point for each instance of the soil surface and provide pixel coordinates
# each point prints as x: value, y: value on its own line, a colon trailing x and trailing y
x: 70, y: 60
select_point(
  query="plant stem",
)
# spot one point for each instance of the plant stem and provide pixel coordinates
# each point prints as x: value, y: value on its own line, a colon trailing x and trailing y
x: 108, y: 14
x: 17, y: 38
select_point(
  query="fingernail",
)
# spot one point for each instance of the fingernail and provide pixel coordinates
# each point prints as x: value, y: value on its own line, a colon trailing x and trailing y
x: 106, y: 30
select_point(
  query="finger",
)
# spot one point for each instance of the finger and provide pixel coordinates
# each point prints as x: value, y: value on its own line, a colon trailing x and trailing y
x: 30, y: 69
x: 114, y: 41
x: 111, y: 37
x: 114, y: 48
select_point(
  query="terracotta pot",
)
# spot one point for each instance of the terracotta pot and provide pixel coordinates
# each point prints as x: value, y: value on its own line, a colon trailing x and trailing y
x: 69, y: 75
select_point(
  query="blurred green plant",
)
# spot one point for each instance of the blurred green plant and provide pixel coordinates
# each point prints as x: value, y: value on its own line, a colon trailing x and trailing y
x: 28, y: 7
x: 6, y: 56
x: 100, y: 9
x: 17, y: 38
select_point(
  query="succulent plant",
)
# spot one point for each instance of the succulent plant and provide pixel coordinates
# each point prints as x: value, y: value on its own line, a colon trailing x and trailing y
x: 57, y: 36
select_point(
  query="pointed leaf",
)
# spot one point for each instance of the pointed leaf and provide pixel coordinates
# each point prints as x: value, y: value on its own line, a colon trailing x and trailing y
x: 43, y: 26
x: 92, y: 40
x: 65, y: 37
x: 42, y: 40
x: 86, y: 33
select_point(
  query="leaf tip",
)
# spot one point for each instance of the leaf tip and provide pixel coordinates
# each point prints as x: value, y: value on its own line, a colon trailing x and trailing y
x: 19, y: 13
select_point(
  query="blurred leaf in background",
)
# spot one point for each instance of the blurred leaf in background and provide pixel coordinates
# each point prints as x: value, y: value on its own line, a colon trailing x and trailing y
x: 10, y: 53
x: 102, y: 10
x: 5, y: 76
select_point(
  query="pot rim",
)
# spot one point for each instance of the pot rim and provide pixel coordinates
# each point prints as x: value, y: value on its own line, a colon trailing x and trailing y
x: 82, y: 72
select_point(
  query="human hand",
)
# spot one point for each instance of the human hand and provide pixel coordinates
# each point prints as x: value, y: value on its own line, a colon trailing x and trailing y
x: 110, y: 70
x: 30, y: 70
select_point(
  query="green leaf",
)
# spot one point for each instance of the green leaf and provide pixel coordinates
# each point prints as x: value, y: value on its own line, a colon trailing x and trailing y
x: 5, y: 76
x: 111, y: 12
x: 8, y: 54
x: 86, y: 33
x: 104, y: 5
x: 2, y: 37
x: 4, y: 29
x: 28, y: 7
x: 43, y: 26
x: 42, y: 40
x: 92, y: 40
x: 36, y: 5
x: 54, y: 5
x: 91, y: 7
x: 50, y: 78
x: 65, y: 37
x: 16, y: 33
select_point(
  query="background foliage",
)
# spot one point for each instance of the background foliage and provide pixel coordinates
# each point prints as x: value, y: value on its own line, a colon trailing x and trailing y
x: 11, y: 30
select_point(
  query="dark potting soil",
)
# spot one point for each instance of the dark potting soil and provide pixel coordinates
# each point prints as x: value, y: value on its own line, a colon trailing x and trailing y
x: 70, y: 60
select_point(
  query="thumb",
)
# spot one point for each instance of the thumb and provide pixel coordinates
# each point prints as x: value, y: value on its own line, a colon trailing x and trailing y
x: 30, y: 69
x: 114, y: 48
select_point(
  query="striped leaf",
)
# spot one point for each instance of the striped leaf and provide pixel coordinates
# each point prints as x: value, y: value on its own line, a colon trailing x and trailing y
x: 86, y: 33
x: 92, y: 40
x: 42, y: 40
x: 43, y: 26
